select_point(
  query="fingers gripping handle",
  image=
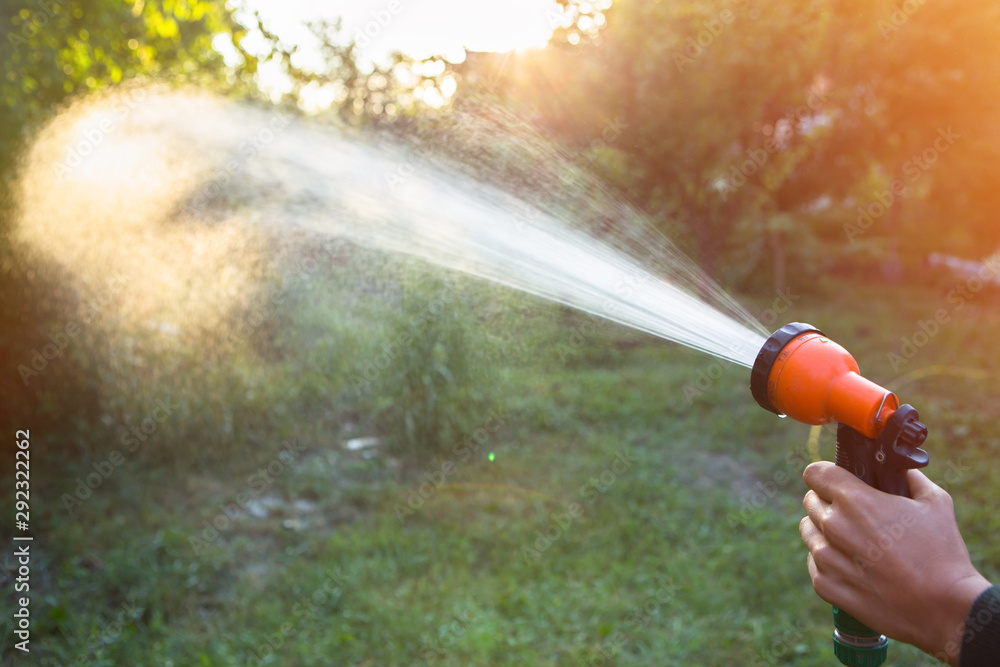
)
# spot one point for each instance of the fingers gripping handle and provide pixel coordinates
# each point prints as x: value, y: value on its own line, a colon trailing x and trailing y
x: 881, y: 462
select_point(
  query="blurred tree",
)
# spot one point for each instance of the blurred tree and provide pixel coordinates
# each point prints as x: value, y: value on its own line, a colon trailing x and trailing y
x: 916, y: 93
x: 361, y: 92
x: 667, y: 101
x: 733, y: 122
x: 54, y: 48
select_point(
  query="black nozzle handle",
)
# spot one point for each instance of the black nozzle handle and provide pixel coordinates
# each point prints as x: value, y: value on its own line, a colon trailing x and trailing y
x: 882, y: 463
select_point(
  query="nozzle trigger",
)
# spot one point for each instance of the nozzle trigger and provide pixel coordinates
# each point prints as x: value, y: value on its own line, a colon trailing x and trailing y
x: 883, y: 462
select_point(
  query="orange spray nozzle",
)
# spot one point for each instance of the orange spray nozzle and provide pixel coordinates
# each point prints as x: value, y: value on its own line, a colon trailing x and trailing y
x: 801, y: 373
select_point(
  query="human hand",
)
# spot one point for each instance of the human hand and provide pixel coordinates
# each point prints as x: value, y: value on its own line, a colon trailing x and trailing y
x: 897, y: 564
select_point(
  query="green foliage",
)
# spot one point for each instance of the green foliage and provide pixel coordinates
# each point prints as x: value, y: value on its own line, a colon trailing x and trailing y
x: 54, y: 48
x: 431, y: 386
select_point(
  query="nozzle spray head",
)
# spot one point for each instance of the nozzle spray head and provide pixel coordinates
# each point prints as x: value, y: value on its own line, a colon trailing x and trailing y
x: 801, y: 373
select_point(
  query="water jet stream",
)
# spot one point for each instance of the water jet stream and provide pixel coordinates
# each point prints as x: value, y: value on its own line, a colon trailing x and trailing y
x: 180, y: 157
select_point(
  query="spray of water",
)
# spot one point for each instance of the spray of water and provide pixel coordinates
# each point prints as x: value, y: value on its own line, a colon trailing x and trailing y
x: 178, y: 180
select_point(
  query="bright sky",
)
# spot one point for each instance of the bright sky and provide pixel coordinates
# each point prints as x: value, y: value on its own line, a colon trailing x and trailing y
x: 418, y: 28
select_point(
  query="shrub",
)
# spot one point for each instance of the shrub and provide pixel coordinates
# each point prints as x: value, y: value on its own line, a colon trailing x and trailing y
x: 432, y: 387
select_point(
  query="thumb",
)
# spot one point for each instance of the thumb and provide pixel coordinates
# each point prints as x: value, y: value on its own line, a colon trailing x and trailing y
x: 831, y: 482
x: 921, y: 487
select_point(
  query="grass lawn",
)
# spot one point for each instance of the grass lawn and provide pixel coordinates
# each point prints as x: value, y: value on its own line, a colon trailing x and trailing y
x: 597, y: 515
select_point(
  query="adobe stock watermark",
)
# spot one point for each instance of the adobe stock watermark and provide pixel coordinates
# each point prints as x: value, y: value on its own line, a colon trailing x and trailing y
x: 711, y: 29
x: 757, y: 157
x: 708, y: 375
x: 131, y: 440
x: 463, y: 451
x: 249, y: 149
x: 258, y: 315
x: 638, y: 617
x: 304, y: 610
x: 60, y: 340
x: 623, y: 290
x: 892, y: 533
x: 380, y: 20
x: 985, y: 609
x: 957, y: 297
x: 913, y: 169
x: 875, y: 550
x: 31, y: 26
x: 437, y: 652
x: 965, y: 291
x: 611, y: 132
x: 561, y: 522
x: 898, y: 17
x: 371, y: 369
x: 754, y: 501
x: 777, y: 652
x: 257, y: 484
x: 401, y: 171
x: 911, y: 345
x: 129, y: 614
x: 94, y: 136
x: 575, y: 341
x: 528, y: 215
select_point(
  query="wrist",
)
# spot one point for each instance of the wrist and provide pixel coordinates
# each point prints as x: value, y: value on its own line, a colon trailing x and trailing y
x: 945, y: 635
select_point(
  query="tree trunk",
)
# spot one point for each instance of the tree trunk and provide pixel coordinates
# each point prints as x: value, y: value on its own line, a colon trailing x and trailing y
x: 708, y: 245
x: 778, y: 249
x: 892, y: 268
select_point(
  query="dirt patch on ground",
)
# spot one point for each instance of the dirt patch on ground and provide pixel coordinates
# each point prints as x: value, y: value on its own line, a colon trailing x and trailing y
x: 715, y: 470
